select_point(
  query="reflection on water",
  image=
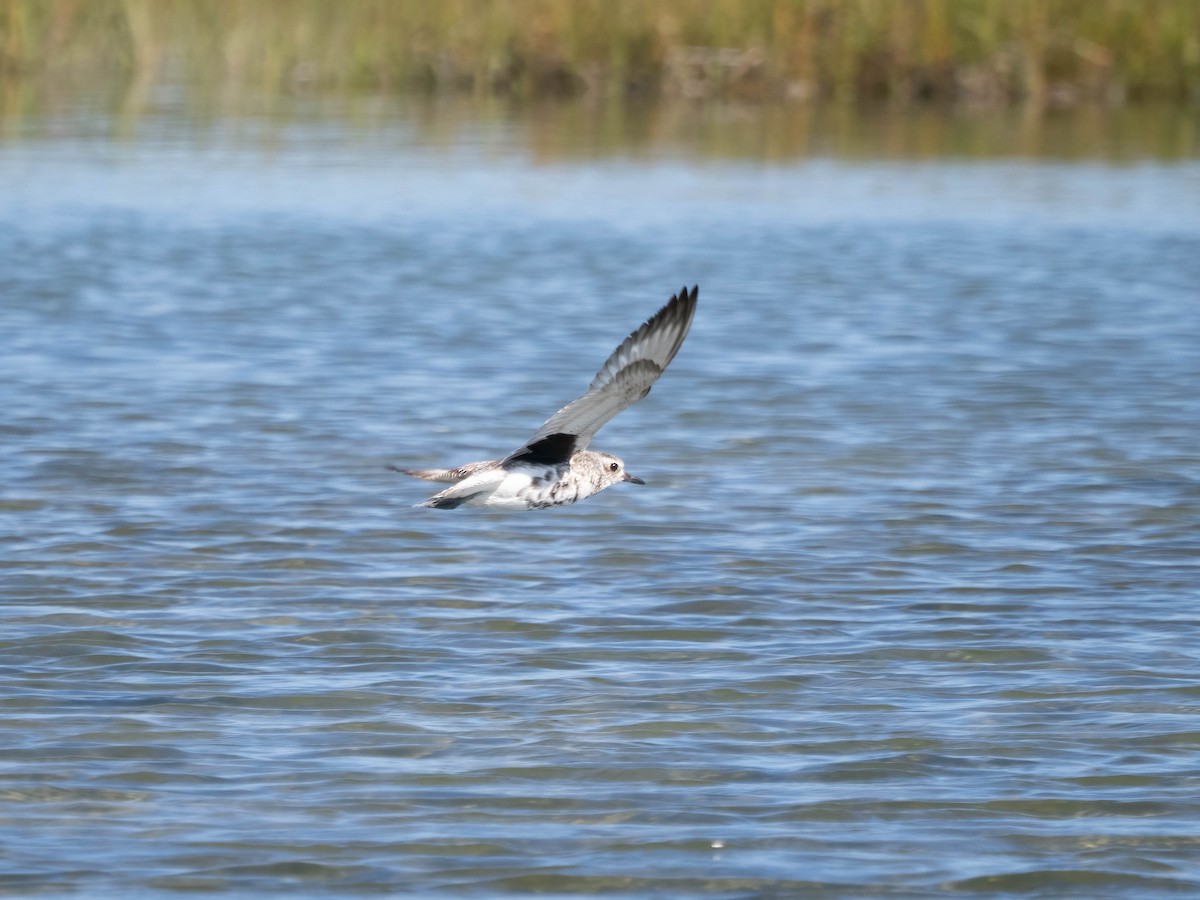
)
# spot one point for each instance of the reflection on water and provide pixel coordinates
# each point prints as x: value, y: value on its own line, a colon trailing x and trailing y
x: 565, y: 131
x: 907, y: 605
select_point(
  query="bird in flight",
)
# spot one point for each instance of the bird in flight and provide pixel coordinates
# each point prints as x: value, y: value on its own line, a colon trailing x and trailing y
x: 555, y: 466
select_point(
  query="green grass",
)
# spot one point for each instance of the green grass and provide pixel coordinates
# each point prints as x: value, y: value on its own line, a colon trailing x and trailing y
x: 1042, y: 51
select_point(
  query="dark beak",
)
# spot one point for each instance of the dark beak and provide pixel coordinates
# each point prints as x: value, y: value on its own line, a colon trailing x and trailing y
x: 632, y: 478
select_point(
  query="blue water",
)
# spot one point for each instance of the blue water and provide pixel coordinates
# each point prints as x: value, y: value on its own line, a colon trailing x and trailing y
x: 908, y: 606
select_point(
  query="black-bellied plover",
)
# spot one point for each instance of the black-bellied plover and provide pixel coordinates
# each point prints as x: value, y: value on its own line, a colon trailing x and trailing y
x: 555, y: 467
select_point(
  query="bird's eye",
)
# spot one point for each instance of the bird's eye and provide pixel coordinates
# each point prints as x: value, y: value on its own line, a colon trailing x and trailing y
x: 612, y: 467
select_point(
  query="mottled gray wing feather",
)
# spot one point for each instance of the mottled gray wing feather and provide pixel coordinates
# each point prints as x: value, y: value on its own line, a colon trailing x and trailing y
x: 462, y: 473
x: 626, y: 376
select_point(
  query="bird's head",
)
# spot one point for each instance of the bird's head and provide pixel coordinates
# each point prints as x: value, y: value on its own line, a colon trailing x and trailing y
x: 612, y: 470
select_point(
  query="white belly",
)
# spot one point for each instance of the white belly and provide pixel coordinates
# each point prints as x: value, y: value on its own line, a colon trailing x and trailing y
x: 521, y: 488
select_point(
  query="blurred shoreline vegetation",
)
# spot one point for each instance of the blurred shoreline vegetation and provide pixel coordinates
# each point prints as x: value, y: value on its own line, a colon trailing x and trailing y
x: 1039, y: 53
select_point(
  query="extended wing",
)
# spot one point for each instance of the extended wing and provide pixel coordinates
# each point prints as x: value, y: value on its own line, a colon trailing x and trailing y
x: 625, y: 378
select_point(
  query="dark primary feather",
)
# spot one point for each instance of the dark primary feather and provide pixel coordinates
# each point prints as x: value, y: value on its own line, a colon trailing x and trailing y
x: 626, y: 377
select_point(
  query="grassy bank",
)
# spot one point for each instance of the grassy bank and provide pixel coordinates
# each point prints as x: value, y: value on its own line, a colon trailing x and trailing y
x: 1043, y: 51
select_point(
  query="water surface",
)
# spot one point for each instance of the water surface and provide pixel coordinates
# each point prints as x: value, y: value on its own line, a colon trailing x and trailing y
x: 907, y: 607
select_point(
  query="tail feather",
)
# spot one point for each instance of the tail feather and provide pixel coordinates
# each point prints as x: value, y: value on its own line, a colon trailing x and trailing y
x: 441, y: 501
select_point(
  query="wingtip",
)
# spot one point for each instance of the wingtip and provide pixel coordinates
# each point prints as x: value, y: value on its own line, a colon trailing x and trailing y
x: 685, y: 295
x: 413, y: 473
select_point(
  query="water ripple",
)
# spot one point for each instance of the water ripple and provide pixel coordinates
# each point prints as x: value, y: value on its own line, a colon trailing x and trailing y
x: 907, y: 606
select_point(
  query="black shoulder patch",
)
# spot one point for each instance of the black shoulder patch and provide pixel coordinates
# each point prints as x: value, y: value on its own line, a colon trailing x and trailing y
x: 549, y: 451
